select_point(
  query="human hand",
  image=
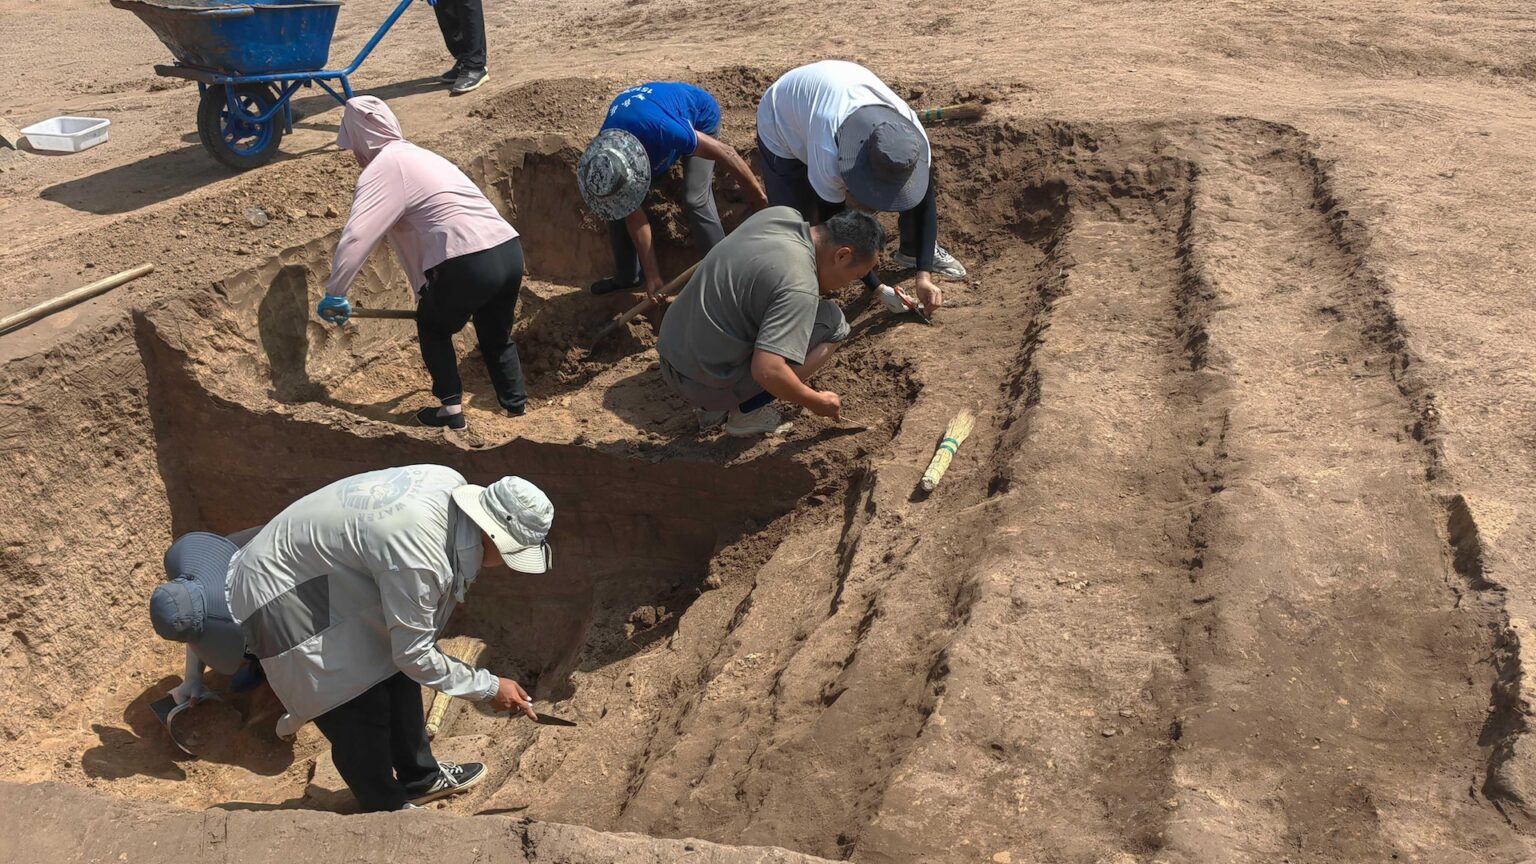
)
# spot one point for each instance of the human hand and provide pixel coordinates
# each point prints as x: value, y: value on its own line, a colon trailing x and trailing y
x: 928, y: 294
x: 334, y: 310
x: 825, y: 403
x: 189, y: 690
x: 510, y: 696
x: 653, y: 286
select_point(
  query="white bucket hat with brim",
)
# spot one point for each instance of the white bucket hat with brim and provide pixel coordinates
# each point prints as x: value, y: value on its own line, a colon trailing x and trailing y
x: 614, y: 174
x: 516, y: 515
x: 883, y: 158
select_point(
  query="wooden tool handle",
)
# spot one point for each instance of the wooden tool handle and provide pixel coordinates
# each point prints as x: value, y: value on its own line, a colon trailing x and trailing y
x: 63, y: 301
x: 358, y: 312
x: 930, y: 116
x: 667, y: 290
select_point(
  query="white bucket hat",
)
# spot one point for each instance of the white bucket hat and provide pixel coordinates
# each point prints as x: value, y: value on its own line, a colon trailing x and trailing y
x: 516, y: 515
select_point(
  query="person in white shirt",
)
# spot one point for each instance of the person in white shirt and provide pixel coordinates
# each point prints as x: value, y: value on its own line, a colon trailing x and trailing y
x: 831, y: 135
x: 342, y: 597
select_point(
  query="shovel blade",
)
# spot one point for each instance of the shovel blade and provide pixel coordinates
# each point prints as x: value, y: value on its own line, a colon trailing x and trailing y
x: 165, y: 710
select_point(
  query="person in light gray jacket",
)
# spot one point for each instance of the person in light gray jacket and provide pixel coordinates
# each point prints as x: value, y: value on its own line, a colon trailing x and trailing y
x: 342, y: 597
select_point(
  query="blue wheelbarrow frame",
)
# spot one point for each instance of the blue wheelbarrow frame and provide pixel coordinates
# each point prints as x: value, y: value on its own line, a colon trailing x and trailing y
x: 240, y: 118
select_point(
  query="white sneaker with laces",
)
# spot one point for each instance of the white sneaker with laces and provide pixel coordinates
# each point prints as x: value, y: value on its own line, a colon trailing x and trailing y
x: 944, y: 264
x: 763, y: 421
x: 452, y: 779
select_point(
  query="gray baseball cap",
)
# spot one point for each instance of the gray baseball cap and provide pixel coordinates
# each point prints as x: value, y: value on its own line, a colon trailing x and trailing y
x: 191, y: 606
x: 516, y: 515
x: 883, y: 158
x: 614, y: 174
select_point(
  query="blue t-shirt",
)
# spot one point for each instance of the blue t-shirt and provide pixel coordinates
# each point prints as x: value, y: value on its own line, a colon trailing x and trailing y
x: 664, y: 116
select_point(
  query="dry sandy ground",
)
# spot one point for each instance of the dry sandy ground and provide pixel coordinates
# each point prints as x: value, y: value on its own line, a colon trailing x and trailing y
x: 1238, y: 565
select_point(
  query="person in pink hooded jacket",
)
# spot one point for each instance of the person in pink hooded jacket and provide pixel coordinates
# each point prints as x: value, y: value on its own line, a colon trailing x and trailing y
x: 464, y: 261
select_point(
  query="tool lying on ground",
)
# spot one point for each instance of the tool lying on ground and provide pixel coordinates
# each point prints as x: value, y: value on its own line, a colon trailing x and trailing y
x: 667, y: 290
x: 929, y: 116
x: 467, y: 649
x: 64, y: 301
x: 166, y: 711
x: 360, y: 312
x: 955, y: 435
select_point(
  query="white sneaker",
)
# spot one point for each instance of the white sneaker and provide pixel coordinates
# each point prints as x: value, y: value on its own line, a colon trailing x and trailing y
x: 763, y: 421
x: 708, y: 419
x: 944, y: 264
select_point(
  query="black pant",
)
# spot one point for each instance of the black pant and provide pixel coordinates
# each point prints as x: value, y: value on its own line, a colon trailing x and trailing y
x: 481, y: 286
x: 463, y: 26
x: 787, y: 183
x: 379, y: 744
x: 703, y: 220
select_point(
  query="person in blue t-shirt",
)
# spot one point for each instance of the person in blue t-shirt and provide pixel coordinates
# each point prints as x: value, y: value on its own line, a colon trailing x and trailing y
x: 648, y: 129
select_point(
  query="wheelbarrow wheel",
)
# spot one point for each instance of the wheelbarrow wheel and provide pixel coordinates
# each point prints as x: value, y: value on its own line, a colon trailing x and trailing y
x: 235, y: 140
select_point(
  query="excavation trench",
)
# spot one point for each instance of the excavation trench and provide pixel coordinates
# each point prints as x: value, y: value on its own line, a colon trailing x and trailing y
x: 779, y: 642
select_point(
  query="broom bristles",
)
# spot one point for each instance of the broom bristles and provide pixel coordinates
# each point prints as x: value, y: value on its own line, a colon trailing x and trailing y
x: 955, y: 433
x: 465, y: 648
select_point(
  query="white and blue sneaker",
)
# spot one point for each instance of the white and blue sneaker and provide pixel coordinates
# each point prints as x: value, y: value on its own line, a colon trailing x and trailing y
x: 944, y: 264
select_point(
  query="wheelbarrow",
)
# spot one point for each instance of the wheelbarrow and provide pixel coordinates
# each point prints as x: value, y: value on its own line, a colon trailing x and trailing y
x: 248, y: 58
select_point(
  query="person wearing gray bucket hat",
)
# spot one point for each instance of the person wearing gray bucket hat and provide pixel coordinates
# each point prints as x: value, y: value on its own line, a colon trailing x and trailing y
x: 191, y: 608
x: 648, y: 129
x: 343, y: 595
x: 831, y: 135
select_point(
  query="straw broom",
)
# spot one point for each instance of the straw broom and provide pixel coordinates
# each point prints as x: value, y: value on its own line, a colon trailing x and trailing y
x: 956, y: 433
x: 467, y: 649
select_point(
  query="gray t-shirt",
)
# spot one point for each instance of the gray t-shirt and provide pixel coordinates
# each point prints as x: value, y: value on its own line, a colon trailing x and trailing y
x: 755, y: 290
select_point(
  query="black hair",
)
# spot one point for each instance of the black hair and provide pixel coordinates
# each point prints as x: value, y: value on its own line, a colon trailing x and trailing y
x: 856, y: 229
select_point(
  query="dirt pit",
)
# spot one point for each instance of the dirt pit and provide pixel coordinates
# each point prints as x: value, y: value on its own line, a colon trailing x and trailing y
x: 1188, y: 591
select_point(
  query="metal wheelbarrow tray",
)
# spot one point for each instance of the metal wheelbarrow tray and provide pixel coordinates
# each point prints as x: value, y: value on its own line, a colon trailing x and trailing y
x: 248, y: 58
x: 259, y: 37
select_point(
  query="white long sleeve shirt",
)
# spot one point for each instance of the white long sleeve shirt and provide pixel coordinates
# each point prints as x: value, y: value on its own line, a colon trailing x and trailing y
x: 353, y: 583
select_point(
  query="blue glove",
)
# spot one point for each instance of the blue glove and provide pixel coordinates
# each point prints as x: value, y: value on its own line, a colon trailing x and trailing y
x: 335, y: 310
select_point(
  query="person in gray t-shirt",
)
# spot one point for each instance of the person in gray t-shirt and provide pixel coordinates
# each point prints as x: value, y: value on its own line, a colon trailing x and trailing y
x: 751, y: 325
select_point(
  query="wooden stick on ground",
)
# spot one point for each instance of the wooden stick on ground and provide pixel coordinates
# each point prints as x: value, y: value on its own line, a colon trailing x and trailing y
x: 63, y: 301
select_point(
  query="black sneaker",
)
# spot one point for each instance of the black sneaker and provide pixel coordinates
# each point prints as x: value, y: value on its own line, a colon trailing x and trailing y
x: 455, y: 778
x: 608, y: 285
x: 452, y: 74
x: 430, y: 417
x: 468, y: 80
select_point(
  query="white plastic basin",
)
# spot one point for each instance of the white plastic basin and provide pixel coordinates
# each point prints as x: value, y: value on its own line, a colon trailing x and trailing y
x: 67, y: 134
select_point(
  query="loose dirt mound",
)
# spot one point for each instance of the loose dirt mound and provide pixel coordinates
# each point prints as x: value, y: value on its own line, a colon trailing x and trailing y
x: 1187, y: 592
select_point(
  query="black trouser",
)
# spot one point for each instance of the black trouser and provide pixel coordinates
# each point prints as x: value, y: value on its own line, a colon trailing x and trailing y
x: 787, y: 183
x: 703, y: 220
x: 463, y: 26
x: 481, y: 286
x: 379, y: 744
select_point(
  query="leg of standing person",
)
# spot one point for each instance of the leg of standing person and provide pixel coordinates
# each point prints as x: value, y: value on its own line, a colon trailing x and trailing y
x: 493, y: 326
x: 788, y: 184
x: 626, y: 261
x: 450, y: 15
x: 699, y: 202
x: 437, y: 319
x: 362, y: 747
x: 410, y: 752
